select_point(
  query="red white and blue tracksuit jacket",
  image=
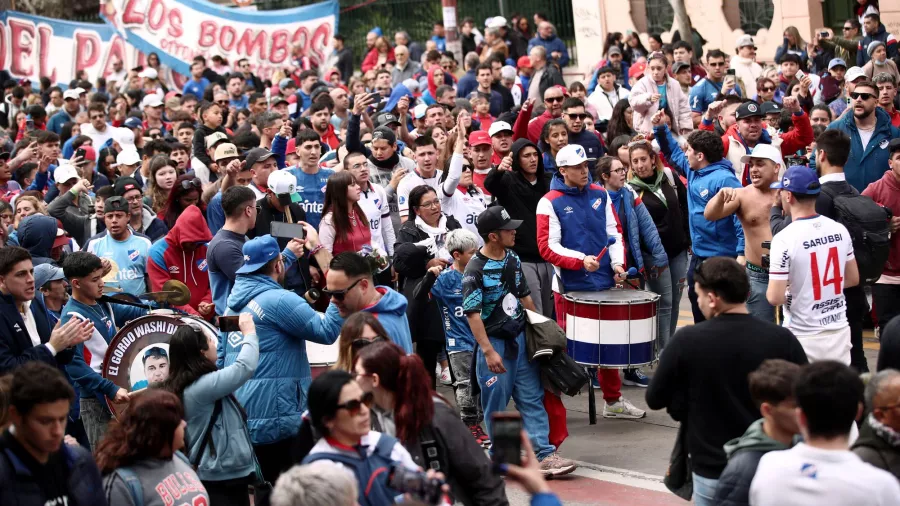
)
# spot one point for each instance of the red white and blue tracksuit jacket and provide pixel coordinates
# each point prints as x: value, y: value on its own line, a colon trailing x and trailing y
x: 572, y: 224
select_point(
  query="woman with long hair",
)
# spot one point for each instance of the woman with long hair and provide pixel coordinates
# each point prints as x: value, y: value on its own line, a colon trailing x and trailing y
x: 144, y: 443
x: 379, y: 56
x: 106, y: 163
x: 658, y: 90
x: 184, y: 193
x: 621, y: 121
x: 162, y: 179
x: 634, y: 48
x: 405, y: 407
x: 554, y: 136
x: 360, y: 330
x: 344, y: 225
x: 793, y: 44
x: 217, y: 441
x: 619, y: 149
x: 665, y: 198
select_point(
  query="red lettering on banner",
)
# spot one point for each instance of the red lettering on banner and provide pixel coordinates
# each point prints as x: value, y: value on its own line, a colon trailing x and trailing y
x: 247, y: 47
x: 115, y: 52
x: 301, y: 35
x: 316, y: 48
x: 175, y: 23
x: 87, y: 50
x: 156, y: 15
x: 279, y: 46
x: 21, y: 41
x: 207, y: 34
x: 132, y: 16
x: 227, y: 38
x: 2, y: 46
x: 45, y: 39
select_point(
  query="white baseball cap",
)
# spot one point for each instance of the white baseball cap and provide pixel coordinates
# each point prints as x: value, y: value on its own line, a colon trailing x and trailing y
x: 499, y: 126
x: 128, y: 157
x: 152, y: 100
x: 282, y: 181
x: 743, y: 41
x: 73, y: 93
x: 570, y: 156
x: 65, y: 173
x: 124, y: 137
x: 496, y: 22
x: 765, y: 151
x: 149, y: 73
x: 419, y: 111
x: 854, y: 73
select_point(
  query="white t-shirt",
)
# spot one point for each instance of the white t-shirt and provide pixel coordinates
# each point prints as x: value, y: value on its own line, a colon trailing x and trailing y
x: 98, y: 139
x: 811, y: 254
x: 805, y: 475
x: 374, y: 203
x: 30, y: 325
x: 410, y: 181
x: 865, y: 136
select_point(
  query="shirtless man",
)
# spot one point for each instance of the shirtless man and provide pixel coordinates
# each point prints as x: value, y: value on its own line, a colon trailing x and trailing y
x: 752, y: 204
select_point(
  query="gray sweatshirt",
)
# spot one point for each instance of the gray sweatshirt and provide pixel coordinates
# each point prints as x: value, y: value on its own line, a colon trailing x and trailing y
x: 164, y: 482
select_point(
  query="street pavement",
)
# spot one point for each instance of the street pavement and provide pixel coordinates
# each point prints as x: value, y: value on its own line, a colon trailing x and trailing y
x: 623, y: 461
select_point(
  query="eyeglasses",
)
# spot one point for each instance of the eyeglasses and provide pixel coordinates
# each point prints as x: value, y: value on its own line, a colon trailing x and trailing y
x: 257, y: 207
x: 433, y: 204
x: 353, y: 407
x: 861, y: 96
x: 187, y: 184
x: 767, y: 89
x: 98, y: 116
x: 363, y: 342
x: 553, y: 99
x: 339, y: 295
x: 134, y: 198
x: 620, y: 170
x: 577, y: 116
x: 155, y: 135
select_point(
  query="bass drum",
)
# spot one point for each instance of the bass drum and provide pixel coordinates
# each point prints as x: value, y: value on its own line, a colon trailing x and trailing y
x: 138, y: 355
x: 322, y: 357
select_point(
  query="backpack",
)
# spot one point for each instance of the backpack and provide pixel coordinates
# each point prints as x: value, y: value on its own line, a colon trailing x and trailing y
x: 371, y: 472
x: 870, y: 232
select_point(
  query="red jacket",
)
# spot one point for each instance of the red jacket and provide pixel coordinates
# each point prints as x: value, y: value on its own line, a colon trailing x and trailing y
x: 886, y: 191
x: 536, y: 125
x: 371, y: 59
x: 330, y: 138
x: 169, y: 259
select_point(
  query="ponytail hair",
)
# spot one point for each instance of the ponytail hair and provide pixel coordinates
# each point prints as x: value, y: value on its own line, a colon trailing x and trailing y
x: 404, y: 376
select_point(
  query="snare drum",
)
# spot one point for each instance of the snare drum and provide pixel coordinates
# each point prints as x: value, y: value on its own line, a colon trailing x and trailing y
x: 321, y: 356
x: 612, y: 329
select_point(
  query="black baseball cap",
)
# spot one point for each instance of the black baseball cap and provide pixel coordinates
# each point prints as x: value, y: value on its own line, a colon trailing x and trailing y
x: 894, y: 146
x: 384, y: 133
x: 257, y: 155
x: 4, y: 153
x: 115, y: 203
x: 770, y: 107
x: 385, y: 118
x: 496, y: 218
x: 125, y: 184
x: 748, y: 109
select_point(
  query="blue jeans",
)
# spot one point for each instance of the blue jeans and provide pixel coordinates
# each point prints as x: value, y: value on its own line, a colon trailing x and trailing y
x: 670, y: 287
x: 704, y: 490
x: 757, y: 303
x: 521, y: 382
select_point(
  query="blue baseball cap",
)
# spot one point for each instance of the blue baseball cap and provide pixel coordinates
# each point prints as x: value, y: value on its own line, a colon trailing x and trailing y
x: 46, y: 273
x: 133, y: 122
x: 258, y: 252
x: 799, y: 179
x: 837, y: 62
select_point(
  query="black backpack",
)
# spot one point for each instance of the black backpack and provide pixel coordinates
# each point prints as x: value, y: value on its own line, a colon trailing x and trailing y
x: 870, y: 231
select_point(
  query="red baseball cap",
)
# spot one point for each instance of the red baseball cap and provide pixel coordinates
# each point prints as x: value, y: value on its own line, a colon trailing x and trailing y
x: 524, y: 62
x: 637, y: 70
x: 479, y: 138
x: 291, y: 145
x: 89, y: 153
x: 173, y: 93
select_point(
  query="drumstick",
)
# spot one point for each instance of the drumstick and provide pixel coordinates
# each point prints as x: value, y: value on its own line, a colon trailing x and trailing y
x: 610, y: 242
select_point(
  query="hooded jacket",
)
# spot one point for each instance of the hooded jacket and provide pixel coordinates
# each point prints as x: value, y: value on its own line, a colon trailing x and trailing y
x: 886, y: 192
x: 873, y: 446
x: 723, y: 237
x: 169, y: 259
x: 644, y: 108
x: 890, y: 44
x: 866, y: 163
x: 743, y: 458
x: 151, y: 226
x: 74, y: 218
x: 37, y: 233
x: 391, y: 313
x: 275, y: 396
x: 520, y: 199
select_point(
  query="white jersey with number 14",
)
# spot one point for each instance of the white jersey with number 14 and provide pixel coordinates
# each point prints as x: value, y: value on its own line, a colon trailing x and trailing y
x: 811, y: 254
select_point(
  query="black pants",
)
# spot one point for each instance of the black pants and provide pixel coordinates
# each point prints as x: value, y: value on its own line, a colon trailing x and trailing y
x: 228, y: 493
x: 692, y: 295
x: 857, y: 307
x: 274, y: 459
x: 428, y: 350
x: 887, y: 303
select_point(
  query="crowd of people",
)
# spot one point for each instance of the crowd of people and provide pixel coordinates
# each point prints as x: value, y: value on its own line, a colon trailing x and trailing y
x: 410, y: 217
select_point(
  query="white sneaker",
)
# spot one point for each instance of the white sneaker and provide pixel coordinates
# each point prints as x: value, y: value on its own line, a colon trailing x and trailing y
x: 622, y: 409
x: 445, y: 376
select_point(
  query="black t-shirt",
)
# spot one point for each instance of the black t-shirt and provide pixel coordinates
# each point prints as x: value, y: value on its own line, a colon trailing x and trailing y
x: 52, y: 477
x: 493, y: 288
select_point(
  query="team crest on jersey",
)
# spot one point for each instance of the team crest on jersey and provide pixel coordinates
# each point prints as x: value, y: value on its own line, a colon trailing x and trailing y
x: 133, y: 254
x: 704, y: 192
x: 402, y: 200
x: 323, y: 189
x: 201, y: 265
x: 596, y: 204
x: 884, y: 144
x: 173, y: 269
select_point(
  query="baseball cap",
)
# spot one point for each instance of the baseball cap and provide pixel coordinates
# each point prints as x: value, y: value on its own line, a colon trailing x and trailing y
x: 770, y: 107
x: 523, y: 62
x: 128, y: 157
x: 854, y: 73
x: 479, y: 138
x: 4, y: 153
x: 45, y: 273
x: 65, y: 173
x: 679, y: 66
x: 744, y: 41
x: 149, y: 73
x: 134, y: 122
x: 115, y: 203
x: 286, y: 83
x: 258, y: 252
x: 497, y: 127
x: 384, y: 133
x: 124, y: 137
x: 496, y: 218
x: 748, y: 109
x: 637, y: 70
x: 419, y: 111
x: 496, y: 22
x: 126, y: 184
x: 257, y: 155
x: 384, y: 119
x: 89, y: 152
x: 152, y: 100
x: 225, y: 150
x: 291, y: 146
x: 281, y: 182
x: 173, y: 103
x: 764, y: 151
x: 836, y: 62
x: 213, y: 138
x: 614, y: 50
x: 798, y: 179
x: 571, y: 155
x: 279, y: 100
x: 71, y: 94
x: 894, y: 146
x: 172, y: 94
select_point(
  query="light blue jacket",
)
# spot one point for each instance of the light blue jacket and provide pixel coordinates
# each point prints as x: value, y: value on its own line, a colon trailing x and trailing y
x: 275, y: 396
x: 641, y: 228
x: 229, y: 454
x: 391, y: 313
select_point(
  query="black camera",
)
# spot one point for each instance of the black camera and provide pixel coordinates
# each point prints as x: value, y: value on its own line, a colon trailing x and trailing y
x: 415, y: 483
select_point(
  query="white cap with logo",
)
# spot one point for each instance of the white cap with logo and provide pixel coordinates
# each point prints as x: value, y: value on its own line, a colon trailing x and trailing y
x: 499, y: 126
x: 65, y: 173
x: 570, y: 156
x: 282, y: 181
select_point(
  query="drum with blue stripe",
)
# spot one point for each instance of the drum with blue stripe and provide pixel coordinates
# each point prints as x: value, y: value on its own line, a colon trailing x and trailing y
x: 612, y: 329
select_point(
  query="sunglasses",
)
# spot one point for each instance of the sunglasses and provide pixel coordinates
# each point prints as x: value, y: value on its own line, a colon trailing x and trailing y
x: 187, y: 184
x: 339, y: 295
x: 353, y: 407
x: 553, y: 99
x: 222, y: 102
x: 861, y: 96
x: 577, y: 116
x: 717, y: 64
x: 363, y: 342
x: 848, y: 28
x: 767, y: 89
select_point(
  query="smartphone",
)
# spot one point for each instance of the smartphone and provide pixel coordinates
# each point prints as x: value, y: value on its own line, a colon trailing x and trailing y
x: 729, y: 72
x: 288, y: 230
x: 506, y: 441
x: 823, y: 35
x: 229, y: 323
x: 375, y: 97
x: 800, y: 75
x: 81, y: 152
x: 29, y: 125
